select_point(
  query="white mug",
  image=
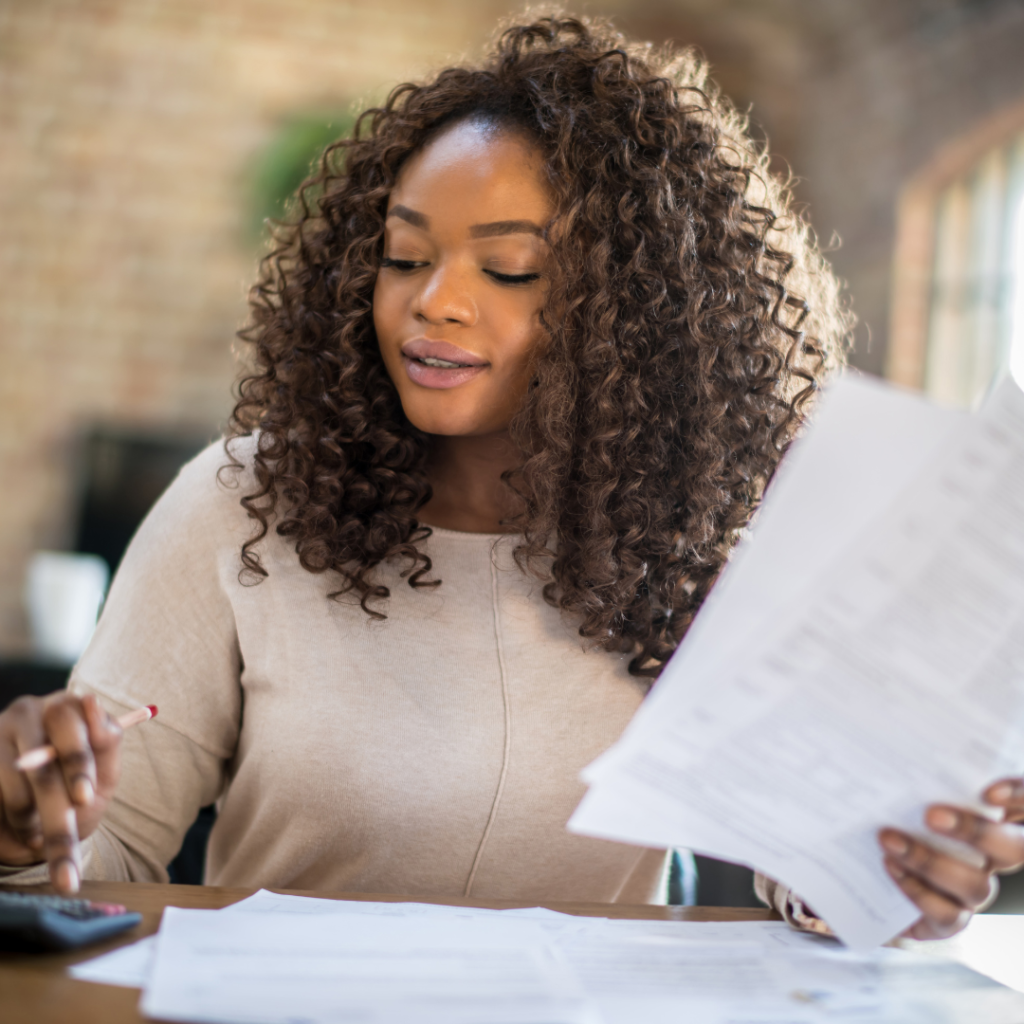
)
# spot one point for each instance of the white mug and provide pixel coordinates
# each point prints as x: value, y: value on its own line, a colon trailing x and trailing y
x: 63, y: 595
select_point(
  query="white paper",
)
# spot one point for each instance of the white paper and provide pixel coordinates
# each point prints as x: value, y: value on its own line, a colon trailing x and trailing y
x: 990, y: 944
x: 279, y: 968
x: 891, y: 680
x: 867, y: 440
x: 663, y: 972
x: 127, y: 966
x: 265, y: 901
x: 654, y: 971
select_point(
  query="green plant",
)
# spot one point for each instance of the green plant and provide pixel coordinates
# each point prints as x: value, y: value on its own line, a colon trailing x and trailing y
x: 289, y: 159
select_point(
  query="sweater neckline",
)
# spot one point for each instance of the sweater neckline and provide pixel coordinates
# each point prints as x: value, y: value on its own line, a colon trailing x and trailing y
x: 443, y: 531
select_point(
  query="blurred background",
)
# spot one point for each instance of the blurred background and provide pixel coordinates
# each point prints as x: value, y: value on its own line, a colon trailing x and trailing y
x: 144, y: 142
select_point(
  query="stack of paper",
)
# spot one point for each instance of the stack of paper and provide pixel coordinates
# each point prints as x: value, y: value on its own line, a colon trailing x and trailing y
x: 276, y: 959
x: 861, y: 657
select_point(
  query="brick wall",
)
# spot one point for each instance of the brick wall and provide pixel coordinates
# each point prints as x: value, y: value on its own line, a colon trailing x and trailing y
x: 126, y: 129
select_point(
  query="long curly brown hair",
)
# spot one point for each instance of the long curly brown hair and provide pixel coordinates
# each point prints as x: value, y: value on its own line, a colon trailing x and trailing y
x: 679, y: 362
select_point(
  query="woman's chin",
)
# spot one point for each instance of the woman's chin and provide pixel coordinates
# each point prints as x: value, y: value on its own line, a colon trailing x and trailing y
x: 448, y: 423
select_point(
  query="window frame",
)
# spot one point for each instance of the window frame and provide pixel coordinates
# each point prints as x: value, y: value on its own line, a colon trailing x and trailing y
x: 914, y: 257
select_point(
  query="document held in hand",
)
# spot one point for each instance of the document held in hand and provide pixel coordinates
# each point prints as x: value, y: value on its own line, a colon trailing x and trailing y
x: 861, y: 657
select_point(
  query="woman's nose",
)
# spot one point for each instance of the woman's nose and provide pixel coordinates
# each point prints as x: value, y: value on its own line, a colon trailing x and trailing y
x: 446, y: 297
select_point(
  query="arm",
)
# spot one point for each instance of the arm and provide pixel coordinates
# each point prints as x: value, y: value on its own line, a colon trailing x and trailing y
x: 789, y: 905
x: 166, y: 637
x: 164, y: 779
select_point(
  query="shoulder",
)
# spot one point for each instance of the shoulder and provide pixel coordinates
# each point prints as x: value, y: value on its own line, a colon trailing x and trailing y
x: 223, y: 467
x: 204, y: 500
x: 188, y: 548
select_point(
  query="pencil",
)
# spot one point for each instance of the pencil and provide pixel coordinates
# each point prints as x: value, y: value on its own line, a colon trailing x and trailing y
x: 36, y: 758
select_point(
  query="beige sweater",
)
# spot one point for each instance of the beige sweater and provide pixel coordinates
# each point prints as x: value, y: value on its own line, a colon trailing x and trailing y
x: 436, y: 752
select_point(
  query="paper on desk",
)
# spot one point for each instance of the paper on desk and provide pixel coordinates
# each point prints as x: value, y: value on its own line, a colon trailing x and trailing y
x: 265, y: 901
x: 129, y: 966
x: 286, y: 967
x: 990, y: 944
x: 662, y: 972
x: 708, y: 972
x: 889, y: 680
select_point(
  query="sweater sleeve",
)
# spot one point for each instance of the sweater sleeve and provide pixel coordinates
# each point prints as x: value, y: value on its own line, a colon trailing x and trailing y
x: 791, y: 907
x: 167, y: 636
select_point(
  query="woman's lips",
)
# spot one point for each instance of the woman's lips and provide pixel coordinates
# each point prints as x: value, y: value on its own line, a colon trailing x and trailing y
x: 439, y: 364
x: 439, y: 376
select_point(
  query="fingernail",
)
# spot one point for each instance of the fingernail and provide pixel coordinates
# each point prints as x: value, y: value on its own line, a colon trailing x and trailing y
x: 895, y: 844
x: 35, y: 842
x: 67, y: 876
x: 1001, y: 794
x: 84, y: 793
x: 942, y: 819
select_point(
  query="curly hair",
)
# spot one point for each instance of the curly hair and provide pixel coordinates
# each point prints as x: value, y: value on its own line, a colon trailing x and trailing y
x: 679, y: 363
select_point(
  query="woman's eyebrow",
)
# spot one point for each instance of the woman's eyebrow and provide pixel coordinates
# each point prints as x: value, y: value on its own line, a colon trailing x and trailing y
x: 498, y: 227
x: 413, y: 217
x: 506, y: 227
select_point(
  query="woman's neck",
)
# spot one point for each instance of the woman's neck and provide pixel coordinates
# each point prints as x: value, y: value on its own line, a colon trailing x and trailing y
x: 469, y: 494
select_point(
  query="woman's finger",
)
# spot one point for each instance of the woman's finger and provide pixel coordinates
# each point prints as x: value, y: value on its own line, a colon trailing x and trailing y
x: 1001, y: 843
x: 940, y: 916
x: 965, y: 884
x: 17, y: 801
x: 105, y: 740
x: 59, y: 823
x: 18, y: 815
x: 1009, y: 795
x: 66, y: 729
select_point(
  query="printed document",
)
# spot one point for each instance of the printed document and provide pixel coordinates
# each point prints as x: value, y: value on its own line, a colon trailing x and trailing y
x: 130, y: 965
x: 628, y: 970
x: 665, y: 972
x: 834, y: 685
x: 275, y: 968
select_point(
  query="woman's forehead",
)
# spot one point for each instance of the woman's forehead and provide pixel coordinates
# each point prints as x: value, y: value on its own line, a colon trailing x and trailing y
x: 472, y: 174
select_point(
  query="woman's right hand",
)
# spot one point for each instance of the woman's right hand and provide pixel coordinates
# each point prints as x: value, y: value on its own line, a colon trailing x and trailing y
x: 45, y: 812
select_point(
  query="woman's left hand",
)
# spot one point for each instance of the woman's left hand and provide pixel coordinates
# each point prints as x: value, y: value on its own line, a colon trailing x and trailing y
x: 947, y: 890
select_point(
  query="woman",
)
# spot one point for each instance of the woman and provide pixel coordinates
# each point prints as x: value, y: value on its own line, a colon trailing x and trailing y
x: 524, y: 365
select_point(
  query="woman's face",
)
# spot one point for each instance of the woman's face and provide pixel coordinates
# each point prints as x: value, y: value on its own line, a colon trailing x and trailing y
x: 457, y: 300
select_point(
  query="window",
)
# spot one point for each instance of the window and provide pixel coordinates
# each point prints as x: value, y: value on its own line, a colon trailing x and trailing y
x: 1017, y: 337
x: 974, y: 278
x: 958, y: 301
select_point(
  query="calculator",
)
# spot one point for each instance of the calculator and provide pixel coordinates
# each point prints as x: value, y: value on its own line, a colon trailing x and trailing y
x: 29, y: 922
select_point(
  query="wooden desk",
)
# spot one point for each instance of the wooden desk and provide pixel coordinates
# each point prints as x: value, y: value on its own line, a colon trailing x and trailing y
x: 35, y: 988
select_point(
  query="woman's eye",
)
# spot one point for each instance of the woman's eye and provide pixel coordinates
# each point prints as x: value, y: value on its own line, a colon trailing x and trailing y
x: 402, y: 264
x: 511, y: 278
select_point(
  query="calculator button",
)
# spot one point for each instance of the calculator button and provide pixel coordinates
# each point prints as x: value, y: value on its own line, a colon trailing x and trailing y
x: 109, y: 908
